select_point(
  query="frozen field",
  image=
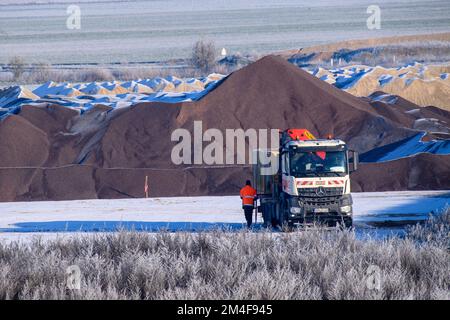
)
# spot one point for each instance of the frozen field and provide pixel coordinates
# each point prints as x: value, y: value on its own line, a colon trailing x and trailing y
x: 379, y: 212
x: 155, y: 30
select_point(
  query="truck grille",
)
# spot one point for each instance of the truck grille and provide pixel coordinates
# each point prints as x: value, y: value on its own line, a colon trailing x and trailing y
x: 313, y: 197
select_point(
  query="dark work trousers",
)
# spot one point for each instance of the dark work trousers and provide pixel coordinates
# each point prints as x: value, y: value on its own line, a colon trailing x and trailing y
x: 248, y: 211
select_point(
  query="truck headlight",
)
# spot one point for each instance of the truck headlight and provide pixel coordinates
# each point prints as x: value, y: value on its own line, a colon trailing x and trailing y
x: 295, y: 210
x: 346, y: 209
x: 346, y: 200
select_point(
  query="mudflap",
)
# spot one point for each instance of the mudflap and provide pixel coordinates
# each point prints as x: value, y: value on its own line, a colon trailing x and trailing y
x: 271, y: 213
x: 267, y: 210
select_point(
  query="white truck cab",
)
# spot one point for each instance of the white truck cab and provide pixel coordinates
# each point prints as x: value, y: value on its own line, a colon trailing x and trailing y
x: 312, y: 184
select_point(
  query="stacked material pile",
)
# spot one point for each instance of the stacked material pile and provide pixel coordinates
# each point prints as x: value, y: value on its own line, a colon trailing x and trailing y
x: 53, y: 152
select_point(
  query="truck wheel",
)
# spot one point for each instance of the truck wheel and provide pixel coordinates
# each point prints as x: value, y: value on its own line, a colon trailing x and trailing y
x: 274, y: 223
x: 287, y: 226
x: 346, y: 223
x: 283, y: 216
x: 276, y: 217
x: 349, y: 223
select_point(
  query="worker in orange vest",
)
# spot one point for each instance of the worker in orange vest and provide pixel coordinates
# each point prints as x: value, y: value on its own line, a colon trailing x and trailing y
x: 248, y: 196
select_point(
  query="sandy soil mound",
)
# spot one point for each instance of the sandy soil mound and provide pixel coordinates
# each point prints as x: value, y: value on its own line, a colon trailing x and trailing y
x: 107, y: 152
x: 290, y: 97
x: 410, y: 115
x: 421, y: 84
x: 422, y: 172
x: 22, y: 144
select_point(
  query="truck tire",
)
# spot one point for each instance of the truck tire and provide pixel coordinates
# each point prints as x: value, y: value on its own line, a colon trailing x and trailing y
x: 276, y: 216
x: 349, y: 223
x: 346, y: 223
x: 285, y: 214
x: 268, y: 213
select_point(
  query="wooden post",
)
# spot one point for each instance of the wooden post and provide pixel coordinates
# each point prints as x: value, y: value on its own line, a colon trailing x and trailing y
x: 146, y: 186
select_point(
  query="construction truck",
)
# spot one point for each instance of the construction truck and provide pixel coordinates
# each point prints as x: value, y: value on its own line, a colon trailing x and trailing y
x: 311, y: 183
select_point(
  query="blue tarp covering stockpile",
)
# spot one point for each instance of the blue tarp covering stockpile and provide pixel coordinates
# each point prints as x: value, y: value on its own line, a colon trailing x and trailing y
x: 406, y: 148
x: 11, y: 99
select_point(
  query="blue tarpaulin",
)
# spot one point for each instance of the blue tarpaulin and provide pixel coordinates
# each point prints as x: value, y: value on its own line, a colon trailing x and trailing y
x: 406, y: 148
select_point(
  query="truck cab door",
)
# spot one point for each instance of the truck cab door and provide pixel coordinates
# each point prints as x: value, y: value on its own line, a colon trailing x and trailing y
x: 353, y: 160
x: 288, y: 182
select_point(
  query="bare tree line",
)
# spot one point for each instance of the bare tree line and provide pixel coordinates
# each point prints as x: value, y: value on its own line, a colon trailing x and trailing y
x: 203, y: 61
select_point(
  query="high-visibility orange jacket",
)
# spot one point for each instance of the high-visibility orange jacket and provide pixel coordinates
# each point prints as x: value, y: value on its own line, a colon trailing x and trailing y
x: 248, y: 195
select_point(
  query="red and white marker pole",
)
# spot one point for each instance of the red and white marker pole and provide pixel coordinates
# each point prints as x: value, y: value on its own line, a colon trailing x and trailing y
x: 146, y: 187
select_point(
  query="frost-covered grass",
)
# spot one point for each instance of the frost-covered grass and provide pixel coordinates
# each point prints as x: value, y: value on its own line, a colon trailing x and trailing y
x: 230, y: 265
x: 41, y: 73
x: 435, y: 230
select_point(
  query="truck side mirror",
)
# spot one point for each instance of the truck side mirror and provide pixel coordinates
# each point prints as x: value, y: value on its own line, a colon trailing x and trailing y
x: 354, y: 160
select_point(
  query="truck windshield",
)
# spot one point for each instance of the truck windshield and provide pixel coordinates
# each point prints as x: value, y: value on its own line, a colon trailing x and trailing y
x: 320, y: 163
